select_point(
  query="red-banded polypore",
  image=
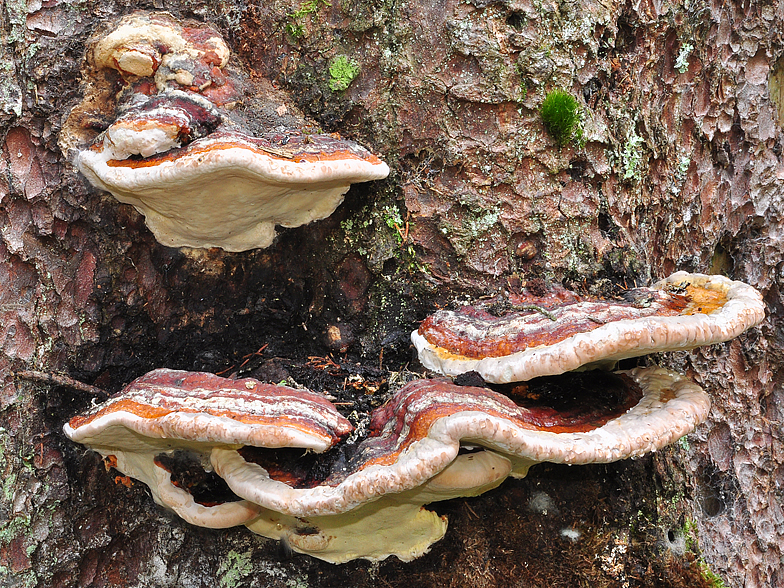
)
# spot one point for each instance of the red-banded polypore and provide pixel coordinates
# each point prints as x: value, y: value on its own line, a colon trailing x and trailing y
x: 554, y: 334
x: 432, y: 441
x: 180, y: 150
x: 168, y: 410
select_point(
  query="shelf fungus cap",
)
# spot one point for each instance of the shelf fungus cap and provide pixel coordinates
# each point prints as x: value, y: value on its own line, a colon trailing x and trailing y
x: 433, y: 419
x: 681, y: 312
x: 201, y: 408
x: 416, y: 455
x: 229, y: 189
x: 192, y: 158
x: 432, y: 441
x: 142, y: 42
x: 163, y: 122
x: 168, y: 411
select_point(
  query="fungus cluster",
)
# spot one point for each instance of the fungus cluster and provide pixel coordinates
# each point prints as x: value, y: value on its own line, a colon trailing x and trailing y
x: 560, y: 332
x: 433, y: 440
x: 180, y: 151
x: 224, y: 452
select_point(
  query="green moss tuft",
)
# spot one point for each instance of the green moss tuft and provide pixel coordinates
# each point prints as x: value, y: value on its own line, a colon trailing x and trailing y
x: 342, y: 72
x: 561, y: 115
x: 295, y: 27
x: 710, y: 576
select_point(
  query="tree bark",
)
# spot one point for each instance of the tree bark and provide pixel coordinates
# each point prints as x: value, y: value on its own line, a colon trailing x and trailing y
x: 680, y: 169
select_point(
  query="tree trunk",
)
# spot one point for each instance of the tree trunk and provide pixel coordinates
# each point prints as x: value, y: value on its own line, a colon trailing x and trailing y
x: 679, y: 169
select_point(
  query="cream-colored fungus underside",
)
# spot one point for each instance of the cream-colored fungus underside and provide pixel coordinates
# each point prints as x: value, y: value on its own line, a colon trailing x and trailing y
x: 228, y: 197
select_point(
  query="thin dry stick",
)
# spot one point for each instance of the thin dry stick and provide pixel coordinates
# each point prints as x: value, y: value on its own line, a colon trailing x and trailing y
x: 60, y: 380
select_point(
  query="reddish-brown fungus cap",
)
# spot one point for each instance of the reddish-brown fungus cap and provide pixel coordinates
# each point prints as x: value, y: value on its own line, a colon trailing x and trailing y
x: 420, y: 432
x: 160, y: 123
x: 683, y: 311
x: 204, y: 408
x: 168, y: 410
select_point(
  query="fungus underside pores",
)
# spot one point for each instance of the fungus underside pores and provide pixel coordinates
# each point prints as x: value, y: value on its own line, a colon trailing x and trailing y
x: 180, y: 149
x: 433, y: 440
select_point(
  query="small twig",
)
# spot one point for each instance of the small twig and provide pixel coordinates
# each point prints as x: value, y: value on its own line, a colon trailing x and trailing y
x: 324, y: 363
x: 250, y: 356
x: 262, y: 348
x: 228, y: 369
x: 60, y: 380
x: 471, y: 510
x: 400, y: 232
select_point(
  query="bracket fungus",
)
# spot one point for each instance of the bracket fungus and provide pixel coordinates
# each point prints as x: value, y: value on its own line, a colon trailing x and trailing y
x: 167, y: 411
x: 432, y: 441
x: 181, y: 152
x: 558, y: 333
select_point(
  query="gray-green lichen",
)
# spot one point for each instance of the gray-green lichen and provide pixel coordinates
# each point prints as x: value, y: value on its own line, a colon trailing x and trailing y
x: 631, y: 157
x: 682, y: 61
x: 10, y: 91
x: 378, y: 233
x: 234, y: 568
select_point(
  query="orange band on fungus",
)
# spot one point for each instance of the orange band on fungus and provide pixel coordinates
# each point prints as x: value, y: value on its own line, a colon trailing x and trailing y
x: 518, y: 331
x: 195, y: 150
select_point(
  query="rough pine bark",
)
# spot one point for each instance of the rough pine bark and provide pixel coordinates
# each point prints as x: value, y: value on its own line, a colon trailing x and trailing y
x: 680, y: 168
